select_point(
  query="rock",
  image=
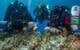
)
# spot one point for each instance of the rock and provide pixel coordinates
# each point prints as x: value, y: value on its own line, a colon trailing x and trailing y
x: 23, y: 48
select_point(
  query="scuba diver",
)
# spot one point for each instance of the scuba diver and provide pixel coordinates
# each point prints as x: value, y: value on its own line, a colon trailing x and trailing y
x: 54, y: 17
x: 16, y: 14
x: 60, y: 17
x: 65, y: 17
x: 41, y: 13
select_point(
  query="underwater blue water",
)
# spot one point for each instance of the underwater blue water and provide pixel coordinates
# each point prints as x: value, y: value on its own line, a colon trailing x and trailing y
x: 31, y: 4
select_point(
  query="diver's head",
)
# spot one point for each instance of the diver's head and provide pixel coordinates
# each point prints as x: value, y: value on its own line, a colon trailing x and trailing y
x: 16, y: 2
x: 75, y: 10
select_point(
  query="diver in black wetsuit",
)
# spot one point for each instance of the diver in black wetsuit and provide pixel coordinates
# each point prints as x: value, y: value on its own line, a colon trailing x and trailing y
x: 16, y: 13
x: 58, y: 16
x: 54, y: 17
x: 41, y: 13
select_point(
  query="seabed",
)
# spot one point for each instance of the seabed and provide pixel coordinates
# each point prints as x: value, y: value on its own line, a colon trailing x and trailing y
x: 32, y: 41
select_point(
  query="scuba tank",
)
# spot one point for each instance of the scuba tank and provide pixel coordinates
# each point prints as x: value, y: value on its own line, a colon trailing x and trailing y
x: 75, y: 12
x: 75, y: 20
